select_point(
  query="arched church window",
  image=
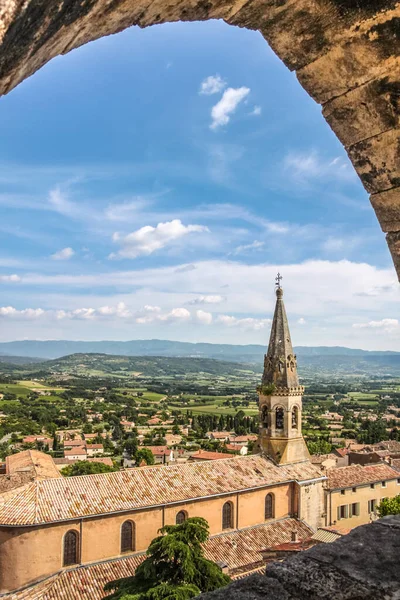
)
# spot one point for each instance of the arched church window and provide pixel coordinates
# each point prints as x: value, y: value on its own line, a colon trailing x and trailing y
x: 181, y: 517
x: 227, y: 515
x: 269, y: 506
x: 295, y: 417
x: 128, y: 537
x: 71, y: 548
x: 279, y: 418
x: 264, y: 416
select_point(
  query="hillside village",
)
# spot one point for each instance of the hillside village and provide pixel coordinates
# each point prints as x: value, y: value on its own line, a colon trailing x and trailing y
x: 278, y: 469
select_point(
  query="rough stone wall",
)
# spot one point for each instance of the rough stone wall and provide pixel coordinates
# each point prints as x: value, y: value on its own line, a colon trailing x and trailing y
x: 362, y: 565
x: 345, y: 53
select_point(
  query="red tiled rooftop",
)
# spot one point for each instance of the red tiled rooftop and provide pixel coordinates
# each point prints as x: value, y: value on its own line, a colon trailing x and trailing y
x: 206, y: 455
x: 240, y: 550
x: 62, y: 499
x: 354, y: 475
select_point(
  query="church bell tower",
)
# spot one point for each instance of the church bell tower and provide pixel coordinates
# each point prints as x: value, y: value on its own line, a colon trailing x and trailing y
x: 280, y: 395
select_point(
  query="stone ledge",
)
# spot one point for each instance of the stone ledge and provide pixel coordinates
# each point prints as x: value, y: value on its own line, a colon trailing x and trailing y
x: 360, y: 566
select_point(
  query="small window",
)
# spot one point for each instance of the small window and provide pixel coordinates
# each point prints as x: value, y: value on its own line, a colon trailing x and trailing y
x: 398, y: 481
x: 354, y: 490
x: 342, y: 512
x: 354, y: 509
x: 343, y: 492
x: 127, y: 537
x: 372, y: 486
x: 180, y: 517
x: 227, y: 516
x: 383, y: 483
x: 71, y: 548
x: 371, y: 506
x: 269, y: 506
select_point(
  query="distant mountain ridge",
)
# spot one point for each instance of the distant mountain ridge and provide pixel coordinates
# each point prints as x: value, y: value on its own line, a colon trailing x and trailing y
x: 251, y: 353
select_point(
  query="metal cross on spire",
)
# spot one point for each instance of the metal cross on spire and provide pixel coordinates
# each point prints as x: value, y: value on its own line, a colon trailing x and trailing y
x: 278, y: 280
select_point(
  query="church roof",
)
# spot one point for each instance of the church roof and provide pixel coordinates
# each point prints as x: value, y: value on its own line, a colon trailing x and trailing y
x: 239, y: 550
x: 280, y: 366
x: 52, y: 500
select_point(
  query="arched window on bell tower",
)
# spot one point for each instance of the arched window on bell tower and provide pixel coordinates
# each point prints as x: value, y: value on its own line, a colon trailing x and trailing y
x: 295, y: 417
x: 264, y: 416
x: 279, y: 418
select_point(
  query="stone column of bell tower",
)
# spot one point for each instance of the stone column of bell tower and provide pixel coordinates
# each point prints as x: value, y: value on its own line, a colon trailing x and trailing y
x: 280, y: 395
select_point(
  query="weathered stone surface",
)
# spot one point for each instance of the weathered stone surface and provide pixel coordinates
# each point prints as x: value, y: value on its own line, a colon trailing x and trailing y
x: 360, y: 566
x: 393, y: 240
x: 346, y: 53
x: 387, y: 209
x: 377, y: 161
x: 366, y: 111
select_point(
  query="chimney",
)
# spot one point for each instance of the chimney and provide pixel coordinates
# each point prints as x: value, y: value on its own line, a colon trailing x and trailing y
x: 294, y: 536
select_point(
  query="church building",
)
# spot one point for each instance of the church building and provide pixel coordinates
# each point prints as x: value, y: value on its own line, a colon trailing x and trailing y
x: 67, y: 537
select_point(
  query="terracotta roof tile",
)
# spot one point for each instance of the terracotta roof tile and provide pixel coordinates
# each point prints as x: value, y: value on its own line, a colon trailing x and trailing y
x: 41, y: 464
x: 240, y: 550
x: 68, y: 498
x: 206, y: 455
x: 345, y: 477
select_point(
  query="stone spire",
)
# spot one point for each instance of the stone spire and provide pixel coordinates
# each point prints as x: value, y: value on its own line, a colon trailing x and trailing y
x: 280, y: 367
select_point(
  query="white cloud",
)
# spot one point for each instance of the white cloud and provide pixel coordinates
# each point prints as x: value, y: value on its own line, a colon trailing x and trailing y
x: 231, y: 98
x: 304, y: 166
x: 256, y: 112
x: 10, y: 278
x: 330, y: 295
x: 26, y: 313
x: 64, y: 254
x: 387, y: 325
x: 207, y: 300
x: 256, y: 245
x: 212, y: 85
x: 245, y: 323
x: 301, y: 321
x: 148, y: 239
x: 60, y: 203
x: 204, y: 317
x: 173, y: 316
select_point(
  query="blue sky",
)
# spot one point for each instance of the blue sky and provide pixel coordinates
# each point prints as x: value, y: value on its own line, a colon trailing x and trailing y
x: 153, y: 182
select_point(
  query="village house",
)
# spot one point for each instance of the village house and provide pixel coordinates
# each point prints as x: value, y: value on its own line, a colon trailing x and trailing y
x: 34, y: 439
x: 355, y: 492
x: 65, y: 534
x: 94, y: 449
x: 76, y: 453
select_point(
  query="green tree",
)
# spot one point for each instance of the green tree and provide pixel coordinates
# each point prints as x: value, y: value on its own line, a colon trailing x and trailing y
x: 175, y: 567
x: 131, y: 445
x: 389, y: 506
x: 84, y: 467
x: 146, y: 455
x: 319, y: 446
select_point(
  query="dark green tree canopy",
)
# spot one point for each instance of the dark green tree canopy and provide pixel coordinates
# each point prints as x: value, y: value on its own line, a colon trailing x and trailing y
x: 175, y: 567
x: 84, y: 467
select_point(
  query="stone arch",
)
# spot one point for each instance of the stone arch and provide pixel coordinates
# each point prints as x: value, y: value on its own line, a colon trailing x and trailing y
x: 343, y: 51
